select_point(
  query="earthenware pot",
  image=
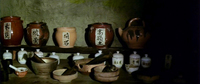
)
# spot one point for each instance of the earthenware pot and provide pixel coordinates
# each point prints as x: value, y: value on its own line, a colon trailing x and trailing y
x: 43, y: 70
x: 66, y: 37
x: 100, y: 35
x: 37, y: 34
x: 135, y: 37
x: 11, y: 31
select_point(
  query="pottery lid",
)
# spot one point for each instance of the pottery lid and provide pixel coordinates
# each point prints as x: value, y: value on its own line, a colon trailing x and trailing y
x: 117, y: 54
x: 135, y: 55
x: 37, y: 22
x: 146, y: 58
x: 11, y: 17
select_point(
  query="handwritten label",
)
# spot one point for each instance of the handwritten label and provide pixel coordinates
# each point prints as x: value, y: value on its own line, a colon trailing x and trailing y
x: 100, y: 34
x: 65, y: 39
x: 7, y: 30
x: 35, y: 34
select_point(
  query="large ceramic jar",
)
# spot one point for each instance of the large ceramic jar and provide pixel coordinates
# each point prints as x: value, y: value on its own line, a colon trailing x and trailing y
x: 66, y: 37
x: 11, y: 31
x: 134, y: 36
x: 101, y: 35
x: 37, y: 34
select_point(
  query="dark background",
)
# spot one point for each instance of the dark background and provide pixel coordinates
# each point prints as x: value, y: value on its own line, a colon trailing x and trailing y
x: 174, y: 25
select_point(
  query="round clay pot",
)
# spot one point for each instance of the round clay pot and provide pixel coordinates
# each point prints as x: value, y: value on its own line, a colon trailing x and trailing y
x: 100, y: 35
x: 135, y: 37
x: 66, y: 37
x: 37, y: 34
x: 11, y: 31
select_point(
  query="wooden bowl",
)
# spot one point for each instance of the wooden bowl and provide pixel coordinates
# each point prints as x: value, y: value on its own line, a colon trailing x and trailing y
x: 57, y: 74
x: 44, y: 69
x: 105, y: 76
x: 85, y: 68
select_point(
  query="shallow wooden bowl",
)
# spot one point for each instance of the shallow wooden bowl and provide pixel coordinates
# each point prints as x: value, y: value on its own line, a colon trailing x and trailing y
x: 105, y: 76
x: 85, y: 68
x: 57, y: 74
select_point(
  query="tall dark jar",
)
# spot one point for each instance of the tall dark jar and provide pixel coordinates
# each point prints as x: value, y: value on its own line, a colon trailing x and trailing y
x: 37, y: 34
x: 11, y: 31
x: 100, y: 35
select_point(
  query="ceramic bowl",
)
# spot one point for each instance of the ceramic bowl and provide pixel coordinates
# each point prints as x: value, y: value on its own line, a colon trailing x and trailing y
x: 85, y: 68
x: 130, y: 68
x: 105, y: 76
x: 22, y: 71
x: 44, y: 69
x: 57, y: 74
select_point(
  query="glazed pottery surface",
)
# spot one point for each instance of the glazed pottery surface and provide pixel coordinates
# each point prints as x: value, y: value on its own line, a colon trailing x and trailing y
x: 11, y: 31
x: 37, y: 34
x: 86, y: 68
x: 57, y: 74
x: 22, y: 71
x: 135, y: 37
x: 44, y: 69
x: 101, y: 35
x: 105, y: 76
x: 66, y: 37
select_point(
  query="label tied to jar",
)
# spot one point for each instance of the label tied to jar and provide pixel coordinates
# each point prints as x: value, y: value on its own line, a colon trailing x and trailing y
x: 65, y: 38
x: 35, y: 34
x: 7, y: 30
x: 100, y: 34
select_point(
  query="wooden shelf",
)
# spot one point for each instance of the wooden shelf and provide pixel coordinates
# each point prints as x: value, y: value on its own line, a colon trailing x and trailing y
x: 83, y: 50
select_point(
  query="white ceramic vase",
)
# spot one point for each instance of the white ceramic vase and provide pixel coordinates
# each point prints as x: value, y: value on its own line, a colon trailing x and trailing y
x: 7, y: 55
x: 22, y: 55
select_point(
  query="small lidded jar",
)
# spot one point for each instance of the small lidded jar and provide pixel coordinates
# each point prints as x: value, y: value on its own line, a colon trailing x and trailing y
x: 118, y: 59
x: 146, y: 61
x: 135, y: 59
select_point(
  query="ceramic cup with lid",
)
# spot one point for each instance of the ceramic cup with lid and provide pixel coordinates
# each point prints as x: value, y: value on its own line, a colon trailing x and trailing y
x: 118, y: 59
x: 135, y: 59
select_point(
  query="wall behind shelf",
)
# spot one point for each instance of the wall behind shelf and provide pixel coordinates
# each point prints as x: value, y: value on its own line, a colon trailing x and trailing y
x: 73, y: 13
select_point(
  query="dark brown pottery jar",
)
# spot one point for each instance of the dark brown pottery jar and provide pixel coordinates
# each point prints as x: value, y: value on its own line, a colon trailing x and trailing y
x: 11, y: 31
x: 37, y: 34
x: 135, y: 37
x: 101, y: 35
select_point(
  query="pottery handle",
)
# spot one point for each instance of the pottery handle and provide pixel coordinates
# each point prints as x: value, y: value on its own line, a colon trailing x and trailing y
x: 78, y: 65
x: 134, y: 19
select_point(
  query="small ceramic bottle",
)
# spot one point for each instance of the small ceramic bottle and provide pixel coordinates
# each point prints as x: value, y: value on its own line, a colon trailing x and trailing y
x: 118, y: 59
x: 135, y: 59
x: 99, y: 53
x: 53, y: 55
x: 77, y: 57
x: 22, y: 55
x: 7, y: 60
x: 39, y: 53
x: 7, y: 55
x: 146, y: 61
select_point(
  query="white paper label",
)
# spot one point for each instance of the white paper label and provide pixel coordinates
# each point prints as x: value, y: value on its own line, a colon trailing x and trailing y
x: 65, y: 39
x: 7, y: 30
x: 35, y: 34
x: 100, y: 34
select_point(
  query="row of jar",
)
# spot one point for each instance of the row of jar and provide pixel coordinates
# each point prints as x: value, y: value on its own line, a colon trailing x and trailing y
x: 135, y: 59
x: 98, y: 35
